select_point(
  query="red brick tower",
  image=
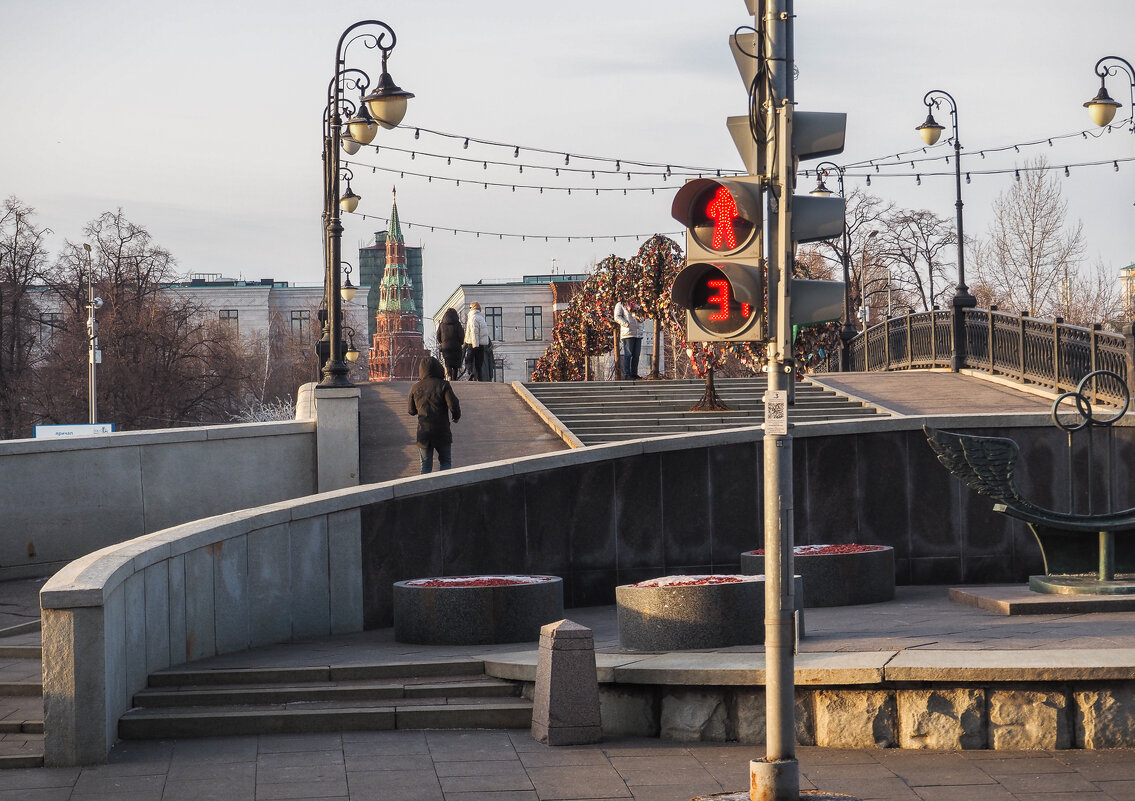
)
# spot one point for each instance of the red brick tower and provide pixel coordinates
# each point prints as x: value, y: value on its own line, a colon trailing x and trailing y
x: 397, y: 347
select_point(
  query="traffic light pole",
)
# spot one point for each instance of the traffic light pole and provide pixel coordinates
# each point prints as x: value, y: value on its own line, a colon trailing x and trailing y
x: 777, y: 776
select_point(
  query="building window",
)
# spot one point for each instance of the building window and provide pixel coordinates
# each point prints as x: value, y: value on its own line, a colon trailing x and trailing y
x: 530, y: 367
x: 301, y: 324
x: 495, y: 320
x: 533, y: 323
x: 230, y: 317
x: 49, y: 324
x: 498, y: 370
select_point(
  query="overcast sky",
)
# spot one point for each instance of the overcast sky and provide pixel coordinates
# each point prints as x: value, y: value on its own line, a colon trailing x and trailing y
x: 202, y: 120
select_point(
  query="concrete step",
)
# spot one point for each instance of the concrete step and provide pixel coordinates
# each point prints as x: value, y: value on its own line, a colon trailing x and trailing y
x: 320, y: 673
x: 194, y: 702
x: 613, y: 411
x: 426, y: 713
x: 243, y: 695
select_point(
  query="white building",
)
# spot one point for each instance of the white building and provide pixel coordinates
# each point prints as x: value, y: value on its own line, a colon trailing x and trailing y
x: 252, y: 307
x: 520, y: 315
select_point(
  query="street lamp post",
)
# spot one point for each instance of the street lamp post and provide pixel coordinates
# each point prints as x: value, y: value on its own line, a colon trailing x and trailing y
x: 384, y: 107
x: 847, y: 331
x: 1102, y: 108
x: 931, y: 131
x: 94, y: 355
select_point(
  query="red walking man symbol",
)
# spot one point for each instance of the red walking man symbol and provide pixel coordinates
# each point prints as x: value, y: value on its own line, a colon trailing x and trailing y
x: 723, y: 211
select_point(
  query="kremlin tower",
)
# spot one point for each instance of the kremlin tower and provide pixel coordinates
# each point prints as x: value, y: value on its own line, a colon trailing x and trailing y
x: 397, y: 346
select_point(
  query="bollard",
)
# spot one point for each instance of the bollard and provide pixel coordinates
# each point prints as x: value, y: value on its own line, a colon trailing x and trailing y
x: 565, y: 705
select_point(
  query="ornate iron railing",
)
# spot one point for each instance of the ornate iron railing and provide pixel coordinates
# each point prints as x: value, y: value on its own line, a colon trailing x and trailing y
x: 1048, y: 353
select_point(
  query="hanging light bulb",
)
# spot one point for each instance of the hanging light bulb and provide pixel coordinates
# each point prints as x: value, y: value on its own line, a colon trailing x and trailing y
x: 1018, y: 175
x: 466, y: 145
x: 362, y: 126
x: 349, y: 201
x: 918, y: 180
x: 348, y: 142
x: 967, y: 177
x: 868, y: 180
x: 1066, y: 173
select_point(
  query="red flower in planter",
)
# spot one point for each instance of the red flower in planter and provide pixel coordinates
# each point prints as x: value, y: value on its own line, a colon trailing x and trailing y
x: 825, y: 550
x: 692, y: 581
x: 478, y: 581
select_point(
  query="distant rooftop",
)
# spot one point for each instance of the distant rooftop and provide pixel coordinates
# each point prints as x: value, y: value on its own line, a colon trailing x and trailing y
x: 535, y: 279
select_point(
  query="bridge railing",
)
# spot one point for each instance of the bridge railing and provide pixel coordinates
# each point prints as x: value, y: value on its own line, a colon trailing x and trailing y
x: 1048, y: 353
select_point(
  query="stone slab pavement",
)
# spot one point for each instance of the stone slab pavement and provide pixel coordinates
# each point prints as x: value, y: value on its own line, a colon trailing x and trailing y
x: 511, y: 766
x: 495, y: 424
x: 916, y: 392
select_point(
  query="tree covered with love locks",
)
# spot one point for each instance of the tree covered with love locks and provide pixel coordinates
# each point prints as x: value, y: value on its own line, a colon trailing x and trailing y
x: 587, y: 327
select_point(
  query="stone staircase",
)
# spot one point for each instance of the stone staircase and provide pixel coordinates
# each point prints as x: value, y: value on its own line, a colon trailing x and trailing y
x: 612, y: 411
x: 437, y: 695
x: 21, y: 706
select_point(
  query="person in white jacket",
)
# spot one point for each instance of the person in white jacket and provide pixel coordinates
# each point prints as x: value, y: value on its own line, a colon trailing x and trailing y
x: 630, y: 338
x: 477, y: 338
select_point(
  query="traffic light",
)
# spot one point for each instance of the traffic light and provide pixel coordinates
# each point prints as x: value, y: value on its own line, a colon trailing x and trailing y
x: 722, y: 285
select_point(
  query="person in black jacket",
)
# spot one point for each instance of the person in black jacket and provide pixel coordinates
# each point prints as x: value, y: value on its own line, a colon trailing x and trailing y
x: 432, y: 401
x: 450, y: 339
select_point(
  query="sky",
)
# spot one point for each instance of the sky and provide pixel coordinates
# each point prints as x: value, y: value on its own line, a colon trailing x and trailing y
x: 203, y: 120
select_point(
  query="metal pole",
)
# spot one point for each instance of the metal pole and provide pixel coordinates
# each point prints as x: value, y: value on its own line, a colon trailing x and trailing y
x: 92, y: 341
x: 777, y: 776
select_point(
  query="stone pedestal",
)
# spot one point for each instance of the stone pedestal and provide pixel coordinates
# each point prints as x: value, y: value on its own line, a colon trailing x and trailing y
x: 838, y: 579
x: 476, y: 615
x: 682, y: 617
x: 337, y: 437
x: 565, y: 704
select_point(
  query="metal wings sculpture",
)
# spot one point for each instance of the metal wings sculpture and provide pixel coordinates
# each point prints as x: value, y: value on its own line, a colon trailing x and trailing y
x: 987, y: 465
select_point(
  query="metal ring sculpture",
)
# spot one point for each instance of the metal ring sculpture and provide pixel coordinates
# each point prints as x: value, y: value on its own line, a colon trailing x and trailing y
x: 1084, y: 406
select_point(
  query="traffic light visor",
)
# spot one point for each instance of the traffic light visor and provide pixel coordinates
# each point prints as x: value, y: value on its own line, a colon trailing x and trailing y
x: 725, y: 300
x: 723, y: 216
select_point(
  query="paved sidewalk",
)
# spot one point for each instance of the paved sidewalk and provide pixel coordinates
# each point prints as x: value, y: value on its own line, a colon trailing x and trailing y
x: 510, y: 766
x: 495, y: 424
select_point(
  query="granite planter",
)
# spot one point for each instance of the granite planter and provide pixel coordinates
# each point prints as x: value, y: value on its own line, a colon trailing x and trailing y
x: 676, y: 614
x: 863, y: 576
x: 476, y: 610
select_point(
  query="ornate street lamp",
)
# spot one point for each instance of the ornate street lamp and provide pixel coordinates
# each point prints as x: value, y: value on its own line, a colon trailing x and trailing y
x: 1102, y: 108
x: 384, y: 107
x: 847, y: 332
x: 931, y: 131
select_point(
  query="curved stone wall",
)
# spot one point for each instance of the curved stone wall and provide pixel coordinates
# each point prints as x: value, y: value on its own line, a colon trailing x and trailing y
x: 597, y: 517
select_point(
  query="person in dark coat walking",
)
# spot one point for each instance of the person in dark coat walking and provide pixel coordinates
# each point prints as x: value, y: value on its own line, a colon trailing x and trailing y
x: 432, y: 401
x: 450, y: 340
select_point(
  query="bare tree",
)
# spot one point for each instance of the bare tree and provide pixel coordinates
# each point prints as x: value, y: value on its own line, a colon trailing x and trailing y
x: 166, y: 362
x: 1032, y: 253
x: 22, y: 258
x: 914, y: 258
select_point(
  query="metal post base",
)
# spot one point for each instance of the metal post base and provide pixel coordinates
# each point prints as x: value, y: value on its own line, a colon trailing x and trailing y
x: 777, y: 780
x: 1123, y: 584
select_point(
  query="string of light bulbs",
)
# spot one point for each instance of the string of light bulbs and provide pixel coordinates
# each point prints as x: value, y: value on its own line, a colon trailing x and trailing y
x: 568, y: 155
x: 430, y: 178
x: 617, y: 170
x: 1015, y: 171
x: 502, y: 235
x: 875, y: 163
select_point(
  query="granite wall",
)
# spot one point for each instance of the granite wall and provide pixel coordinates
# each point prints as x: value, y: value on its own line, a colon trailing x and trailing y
x: 607, y: 522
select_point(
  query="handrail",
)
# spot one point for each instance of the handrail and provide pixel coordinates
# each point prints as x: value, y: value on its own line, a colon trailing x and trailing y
x: 1047, y: 353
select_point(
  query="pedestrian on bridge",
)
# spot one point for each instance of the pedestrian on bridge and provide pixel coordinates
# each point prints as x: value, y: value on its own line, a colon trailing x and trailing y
x: 433, y: 402
x: 450, y: 338
x: 477, y: 338
x: 630, y: 338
